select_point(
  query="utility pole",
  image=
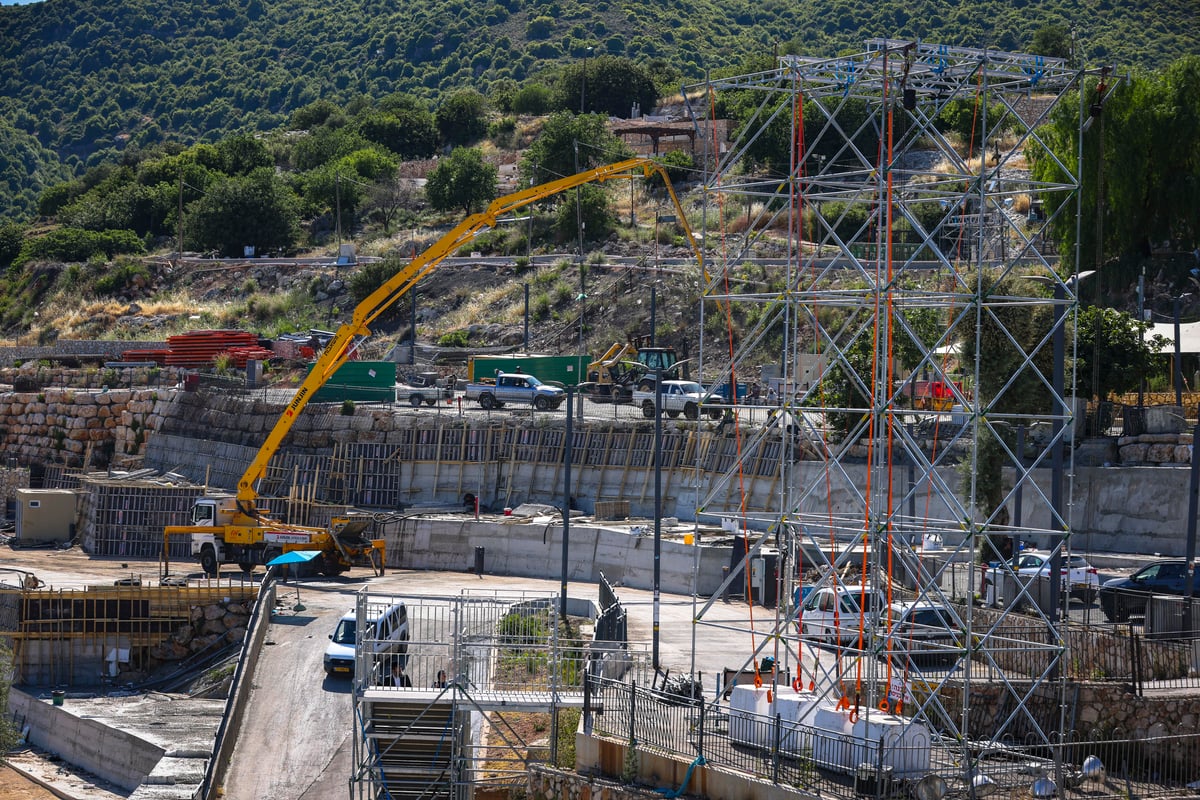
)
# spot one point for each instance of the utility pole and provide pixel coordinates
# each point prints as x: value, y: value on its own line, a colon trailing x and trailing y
x: 579, y: 226
x: 179, y: 253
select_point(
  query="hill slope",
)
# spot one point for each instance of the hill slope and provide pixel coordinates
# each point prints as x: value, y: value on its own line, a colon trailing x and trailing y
x: 79, y: 80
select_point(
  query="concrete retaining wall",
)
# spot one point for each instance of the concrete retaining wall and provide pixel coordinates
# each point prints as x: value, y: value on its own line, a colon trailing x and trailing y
x: 534, y: 549
x: 116, y: 756
x: 1140, y: 509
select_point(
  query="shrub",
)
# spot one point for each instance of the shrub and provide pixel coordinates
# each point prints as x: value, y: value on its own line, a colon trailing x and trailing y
x: 456, y: 338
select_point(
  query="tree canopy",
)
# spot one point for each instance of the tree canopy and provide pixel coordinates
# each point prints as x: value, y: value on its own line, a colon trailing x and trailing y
x: 463, y: 180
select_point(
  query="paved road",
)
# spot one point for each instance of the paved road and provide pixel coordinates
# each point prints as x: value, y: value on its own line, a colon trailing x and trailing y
x: 296, y: 739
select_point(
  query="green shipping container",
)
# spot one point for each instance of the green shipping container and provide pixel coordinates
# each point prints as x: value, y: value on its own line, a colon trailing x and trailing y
x: 566, y: 370
x: 363, y: 381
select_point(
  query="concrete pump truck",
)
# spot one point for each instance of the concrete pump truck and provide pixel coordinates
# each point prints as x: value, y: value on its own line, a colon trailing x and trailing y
x: 235, y: 528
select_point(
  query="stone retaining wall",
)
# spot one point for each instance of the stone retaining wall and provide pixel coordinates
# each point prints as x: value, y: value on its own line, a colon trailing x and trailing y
x: 65, y: 425
x: 1129, y: 509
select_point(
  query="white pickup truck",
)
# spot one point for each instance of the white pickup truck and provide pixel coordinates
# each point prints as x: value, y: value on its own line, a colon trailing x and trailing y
x: 515, y: 388
x: 678, y: 397
x: 423, y: 389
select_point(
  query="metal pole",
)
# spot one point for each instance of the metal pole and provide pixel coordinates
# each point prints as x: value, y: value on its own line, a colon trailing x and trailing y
x: 412, y: 335
x: 527, y: 320
x: 1057, y: 456
x: 1178, y: 358
x: 653, y: 312
x: 1020, y: 484
x: 1142, y: 337
x: 579, y: 227
x: 1190, y: 547
x: 566, y: 510
x: 658, y: 383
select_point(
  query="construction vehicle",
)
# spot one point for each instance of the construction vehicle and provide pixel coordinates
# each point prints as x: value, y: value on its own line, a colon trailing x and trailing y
x: 613, y: 377
x: 236, y: 529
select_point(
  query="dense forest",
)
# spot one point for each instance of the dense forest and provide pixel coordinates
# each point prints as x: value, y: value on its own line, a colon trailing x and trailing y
x: 83, y: 80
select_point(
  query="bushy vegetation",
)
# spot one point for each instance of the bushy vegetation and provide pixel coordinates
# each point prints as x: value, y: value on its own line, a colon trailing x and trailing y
x: 84, y: 84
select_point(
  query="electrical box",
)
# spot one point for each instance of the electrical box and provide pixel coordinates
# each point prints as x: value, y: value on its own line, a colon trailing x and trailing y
x: 45, y: 516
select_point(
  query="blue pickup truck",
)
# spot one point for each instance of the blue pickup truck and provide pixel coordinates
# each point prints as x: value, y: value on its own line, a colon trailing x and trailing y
x: 513, y: 387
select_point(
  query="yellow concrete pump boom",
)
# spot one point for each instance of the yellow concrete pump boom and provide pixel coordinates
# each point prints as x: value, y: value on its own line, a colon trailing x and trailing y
x: 338, y: 351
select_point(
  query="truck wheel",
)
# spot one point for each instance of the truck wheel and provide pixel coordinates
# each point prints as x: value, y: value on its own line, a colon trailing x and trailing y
x: 416, y: 400
x: 673, y: 414
x: 691, y: 411
x: 487, y: 402
x: 246, y: 566
x: 715, y: 413
x: 648, y: 409
x: 540, y: 403
x: 208, y: 560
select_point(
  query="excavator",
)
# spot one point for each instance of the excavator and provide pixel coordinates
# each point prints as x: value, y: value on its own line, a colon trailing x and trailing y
x: 612, y: 377
x: 236, y: 528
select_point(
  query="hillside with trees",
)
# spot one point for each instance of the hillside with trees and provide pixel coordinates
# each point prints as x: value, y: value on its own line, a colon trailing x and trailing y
x: 82, y: 82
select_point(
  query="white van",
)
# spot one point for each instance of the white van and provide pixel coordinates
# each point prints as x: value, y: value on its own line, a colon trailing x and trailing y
x: 387, y: 633
x: 833, y: 613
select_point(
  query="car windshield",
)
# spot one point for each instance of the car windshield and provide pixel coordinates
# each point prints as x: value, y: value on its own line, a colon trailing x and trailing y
x: 345, y: 632
x: 928, y: 617
x: 689, y: 388
x: 532, y: 381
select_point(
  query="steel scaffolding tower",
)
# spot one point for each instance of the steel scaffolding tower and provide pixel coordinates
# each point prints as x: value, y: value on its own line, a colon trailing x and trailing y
x: 919, y: 266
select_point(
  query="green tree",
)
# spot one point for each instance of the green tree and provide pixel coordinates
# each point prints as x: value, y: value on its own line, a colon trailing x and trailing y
x: 462, y: 118
x: 1125, y: 351
x: 533, y: 98
x: 1052, y: 40
x: 464, y: 180
x: 1146, y: 133
x: 570, y: 144
x: 594, y: 212
x: 258, y: 210
x: 242, y: 154
x: 11, y: 236
x: 610, y: 85
x: 409, y: 133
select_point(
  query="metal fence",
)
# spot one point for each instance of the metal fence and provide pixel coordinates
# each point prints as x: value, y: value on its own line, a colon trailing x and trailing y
x: 883, y: 759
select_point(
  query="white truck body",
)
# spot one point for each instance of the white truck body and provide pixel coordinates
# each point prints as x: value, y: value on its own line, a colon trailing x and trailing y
x: 422, y: 390
x: 678, y: 397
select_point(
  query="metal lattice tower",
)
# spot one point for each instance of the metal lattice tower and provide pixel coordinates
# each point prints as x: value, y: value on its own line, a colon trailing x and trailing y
x: 906, y: 259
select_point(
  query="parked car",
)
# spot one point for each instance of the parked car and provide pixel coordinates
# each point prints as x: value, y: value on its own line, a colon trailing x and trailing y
x: 425, y: 388
x: 836, y: 614
x: 924, y: 632
x: 1121, y: 598
x: 386, y: 633
x: 518, y: 389
x: 1079, y: 578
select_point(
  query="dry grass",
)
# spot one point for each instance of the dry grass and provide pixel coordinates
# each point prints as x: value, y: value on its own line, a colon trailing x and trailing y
x: 1021, y: 203
x: 504, y: 304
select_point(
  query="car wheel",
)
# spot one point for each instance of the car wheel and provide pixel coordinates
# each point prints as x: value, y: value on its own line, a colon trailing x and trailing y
x: 715, y: 413
x: 691, y: 411
x: 673, y: 414
x: 487, y: 402
x: 540, y: 403
x: 648, y: 410
x: 246, y: 566
x: 208, y: 560
x: 416, y: 400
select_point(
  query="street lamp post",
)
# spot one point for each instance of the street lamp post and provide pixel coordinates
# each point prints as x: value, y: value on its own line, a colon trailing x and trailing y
x: 583, y: 84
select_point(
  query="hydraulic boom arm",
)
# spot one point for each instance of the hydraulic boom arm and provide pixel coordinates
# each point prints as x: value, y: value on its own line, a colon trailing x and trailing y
x: 341, y: 345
